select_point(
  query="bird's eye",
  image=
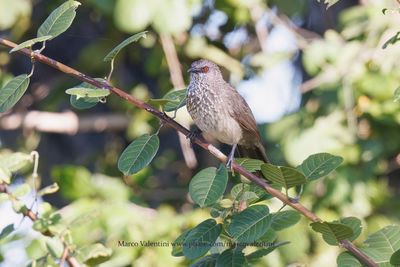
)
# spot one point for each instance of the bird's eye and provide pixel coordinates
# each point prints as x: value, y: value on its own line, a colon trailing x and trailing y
x: 204, y: 69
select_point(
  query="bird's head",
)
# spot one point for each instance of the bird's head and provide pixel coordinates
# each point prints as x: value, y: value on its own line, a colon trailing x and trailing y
x: 204, y: 69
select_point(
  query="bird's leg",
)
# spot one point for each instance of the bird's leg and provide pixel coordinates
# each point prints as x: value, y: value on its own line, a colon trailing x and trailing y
x: 196, y: 133
x: 230, y: 157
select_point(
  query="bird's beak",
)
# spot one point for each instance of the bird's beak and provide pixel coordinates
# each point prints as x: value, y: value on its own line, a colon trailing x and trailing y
x: 190, y: 70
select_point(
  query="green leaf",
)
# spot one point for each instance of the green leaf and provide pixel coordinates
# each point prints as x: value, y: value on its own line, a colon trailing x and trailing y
x: 250, y: 165
x: 83, y: 102
x: 394, y: 259
x: 177, y: 99
x: 59, y: 20
x: 218, y: 247
x: 173, y: 100
x: 6, y: 231
x: 50, y: 189
x: 284, y: 176
x: 377, y: 256
x: 355, y: 225
x: 392, y: 40
x: 95, y: 254
x: 13, y: 91
x: 207, y: 261
x: 55, y: 246
x: 225, y: 203
x: 328, y: 3
x: 238, y: 190
x: 247, y: 196
x: 332, y: 233
x: 201, y: 239
x: 385, y: 241
x: 18, y: 206
x: 158, y: 101
x: 284, y: 219
x: 345, y: 259
x: 250, y: 224
x: 21, y: 190
x: 16, y: 161
x: 231, y: 258
x: 89, y: 85
x: 250, y: 192
x: 397, y: 95
x: 138, y: 154
x: 207, y: 186
x: 5, y: 175
x: 80, y: 92
x: 43, y: 224
x: 113, y: 53
x: 319, y: 165
x: 261, y: 193
x: 269, y: 236
x: 215, y: 213
x: 252, y: 257
x: 30, y: 42
x: 177, y: 245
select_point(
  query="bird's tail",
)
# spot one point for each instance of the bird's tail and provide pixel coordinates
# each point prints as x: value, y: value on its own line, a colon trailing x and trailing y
x: 256, y: 151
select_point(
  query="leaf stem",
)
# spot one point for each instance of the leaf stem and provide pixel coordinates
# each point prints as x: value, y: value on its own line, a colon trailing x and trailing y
x: 111, y: 70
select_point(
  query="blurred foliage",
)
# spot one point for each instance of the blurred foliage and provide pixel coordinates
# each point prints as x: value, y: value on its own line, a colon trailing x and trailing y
x: 349, y: 111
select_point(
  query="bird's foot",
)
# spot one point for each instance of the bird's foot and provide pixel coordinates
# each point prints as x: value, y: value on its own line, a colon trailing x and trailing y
x: 230, y: 158
x: 294, y: 199
x: 196, y: 133
x: 229, y: 164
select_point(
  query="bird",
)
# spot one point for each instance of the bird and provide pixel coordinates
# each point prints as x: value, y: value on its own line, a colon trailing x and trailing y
x: 220, y: 111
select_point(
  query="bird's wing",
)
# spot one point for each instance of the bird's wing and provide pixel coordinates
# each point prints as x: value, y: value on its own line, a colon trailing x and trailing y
x: 241, y: 112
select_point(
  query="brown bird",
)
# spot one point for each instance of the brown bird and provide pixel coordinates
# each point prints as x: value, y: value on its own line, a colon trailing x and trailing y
x: 220, y: 111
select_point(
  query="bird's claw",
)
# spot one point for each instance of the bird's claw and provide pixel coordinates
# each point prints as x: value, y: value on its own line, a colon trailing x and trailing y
x: 230, y: 158
x: 193, y: 135
x: 229, y: 164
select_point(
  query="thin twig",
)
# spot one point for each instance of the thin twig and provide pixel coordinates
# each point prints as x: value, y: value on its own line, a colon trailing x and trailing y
x: 31, y: 215
x: 64, y: 256
x: 256, y: 13
x: 177, y: 81
x: 363, y: 258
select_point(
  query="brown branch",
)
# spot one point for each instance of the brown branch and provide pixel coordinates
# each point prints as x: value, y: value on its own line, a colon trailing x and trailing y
x: 256, y: 13
x: 31, y: 215
x: 363, y: 258
x: 311, y: 84
x: 64, y: 256
x: 72, y: 262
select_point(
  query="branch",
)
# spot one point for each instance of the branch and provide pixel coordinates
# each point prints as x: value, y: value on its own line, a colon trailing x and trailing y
x: 72, y: 262
x: 363, y: 258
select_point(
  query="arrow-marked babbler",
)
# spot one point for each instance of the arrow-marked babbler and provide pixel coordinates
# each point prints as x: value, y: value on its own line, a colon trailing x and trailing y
x: 220, y: 111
